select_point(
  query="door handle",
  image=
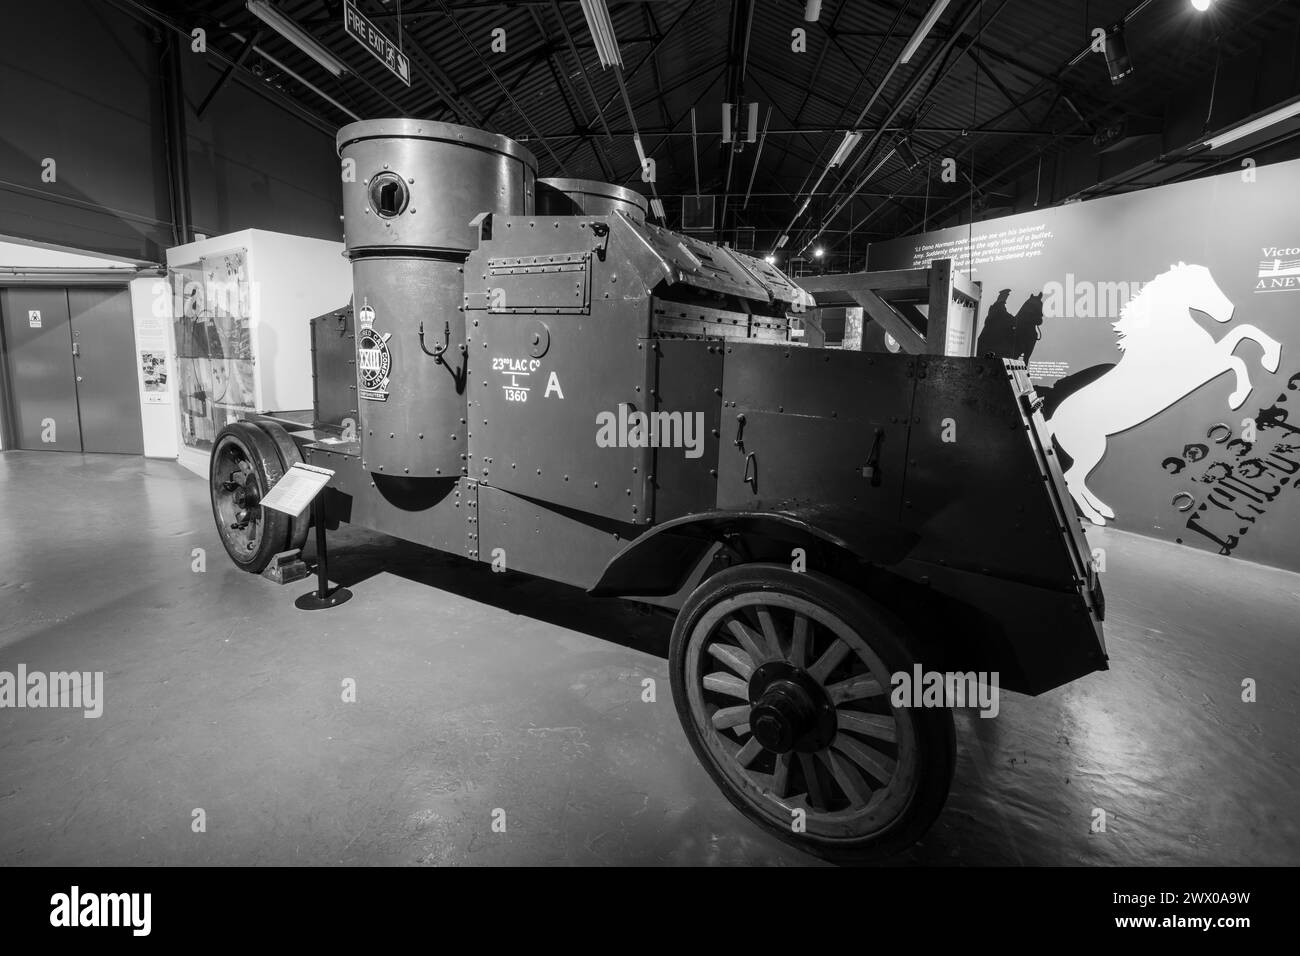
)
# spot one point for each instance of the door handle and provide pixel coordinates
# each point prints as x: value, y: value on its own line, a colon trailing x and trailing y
x: 76, y: 348
x: 871, y: 470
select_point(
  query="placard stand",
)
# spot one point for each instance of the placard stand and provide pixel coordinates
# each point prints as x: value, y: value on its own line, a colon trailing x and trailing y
x: 322, y: 597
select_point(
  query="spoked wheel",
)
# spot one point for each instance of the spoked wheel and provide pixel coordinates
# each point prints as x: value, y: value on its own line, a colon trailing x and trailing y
x: 244, y: 468
x: 782, y: 682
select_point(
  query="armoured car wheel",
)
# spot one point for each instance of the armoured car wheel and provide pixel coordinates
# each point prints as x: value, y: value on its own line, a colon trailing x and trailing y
x: 244, y: 467
x: 289, y: 455
x: 781, y: 681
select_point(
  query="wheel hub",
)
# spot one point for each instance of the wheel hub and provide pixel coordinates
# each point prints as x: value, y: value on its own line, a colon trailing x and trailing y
x: 243, y: 494
x: 791, y: 710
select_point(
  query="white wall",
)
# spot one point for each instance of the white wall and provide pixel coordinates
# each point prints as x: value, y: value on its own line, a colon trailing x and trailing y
x: 151, y: 310
x: 297, y: 279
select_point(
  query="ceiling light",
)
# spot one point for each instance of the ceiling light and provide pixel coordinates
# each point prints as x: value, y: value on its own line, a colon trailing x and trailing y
x: 296, y: 35
x: 812, y: 10
x: 818, y: 252
x: 846, y: 147
x: 782, y: 241
x: 907, y: 154
x: 770, y: 260
x: 657, y: 207
x: 1256, y: 125
x: 923, y: 29
x: 1201, y: 5
x: 602, y: 32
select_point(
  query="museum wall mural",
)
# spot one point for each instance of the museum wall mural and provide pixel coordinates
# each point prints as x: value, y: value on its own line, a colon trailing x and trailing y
x: 1162, y: 329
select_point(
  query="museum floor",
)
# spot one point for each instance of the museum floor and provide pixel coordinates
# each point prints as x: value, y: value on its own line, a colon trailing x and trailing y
x: 477, y: 692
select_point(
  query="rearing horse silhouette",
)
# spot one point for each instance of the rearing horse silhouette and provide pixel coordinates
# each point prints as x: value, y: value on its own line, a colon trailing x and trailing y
x: 1167, y: 356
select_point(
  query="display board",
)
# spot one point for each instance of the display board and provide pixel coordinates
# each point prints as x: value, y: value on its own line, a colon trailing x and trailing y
x: 214, y: 354
x: 1162, y: 329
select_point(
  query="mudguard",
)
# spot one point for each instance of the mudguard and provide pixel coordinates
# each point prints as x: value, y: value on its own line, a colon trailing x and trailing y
x: 660, y: 561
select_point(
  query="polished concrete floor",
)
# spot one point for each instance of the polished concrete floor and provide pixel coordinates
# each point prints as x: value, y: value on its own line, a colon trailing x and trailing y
x: 478, y: 692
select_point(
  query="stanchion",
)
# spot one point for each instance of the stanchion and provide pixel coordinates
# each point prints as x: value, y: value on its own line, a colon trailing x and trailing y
x: 322, y: 597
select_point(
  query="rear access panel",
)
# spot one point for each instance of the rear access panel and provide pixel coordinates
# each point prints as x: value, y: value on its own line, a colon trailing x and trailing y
x: 551, y: 398
x: 334, y: 368
x: 803, y: 427
x: 981, y: 493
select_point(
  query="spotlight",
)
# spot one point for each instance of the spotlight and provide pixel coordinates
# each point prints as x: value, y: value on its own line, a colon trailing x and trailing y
x: 818, y: 252
x: 1202, y: 5
x: 1117, y: 59
x: 770, y: 260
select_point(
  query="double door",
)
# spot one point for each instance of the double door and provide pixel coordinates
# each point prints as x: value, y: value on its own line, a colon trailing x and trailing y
x: 70, y: 369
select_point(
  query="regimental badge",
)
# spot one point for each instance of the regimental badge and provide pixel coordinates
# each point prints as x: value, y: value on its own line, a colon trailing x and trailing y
x: 373, y: 358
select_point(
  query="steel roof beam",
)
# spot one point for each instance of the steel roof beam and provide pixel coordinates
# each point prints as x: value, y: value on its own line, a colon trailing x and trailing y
x: 497, y: 79
x: 582, y: 67
x: 963, y: 21
x: 717, y: 75
x: 229, y: 71
x: 572, y: 102
x: 805, y: 130
x: 629, y: 77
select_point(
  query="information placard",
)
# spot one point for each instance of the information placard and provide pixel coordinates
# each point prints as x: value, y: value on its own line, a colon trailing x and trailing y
x: 294, y: 492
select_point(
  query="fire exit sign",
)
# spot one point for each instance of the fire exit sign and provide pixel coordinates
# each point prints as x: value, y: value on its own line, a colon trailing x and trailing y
x: 33, y: 318
x: 381, y: 48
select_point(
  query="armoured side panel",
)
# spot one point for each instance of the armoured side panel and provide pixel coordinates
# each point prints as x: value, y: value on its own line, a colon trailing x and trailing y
x: 412, y: 407
x: 557, y: 426
x: 430, y: 512
x: 689, y: 383
x: 804, y: 427
x: 560, y: 368
x: 576, y: 548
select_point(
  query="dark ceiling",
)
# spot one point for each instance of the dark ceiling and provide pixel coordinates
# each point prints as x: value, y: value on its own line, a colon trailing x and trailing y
x: 998, y: 85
